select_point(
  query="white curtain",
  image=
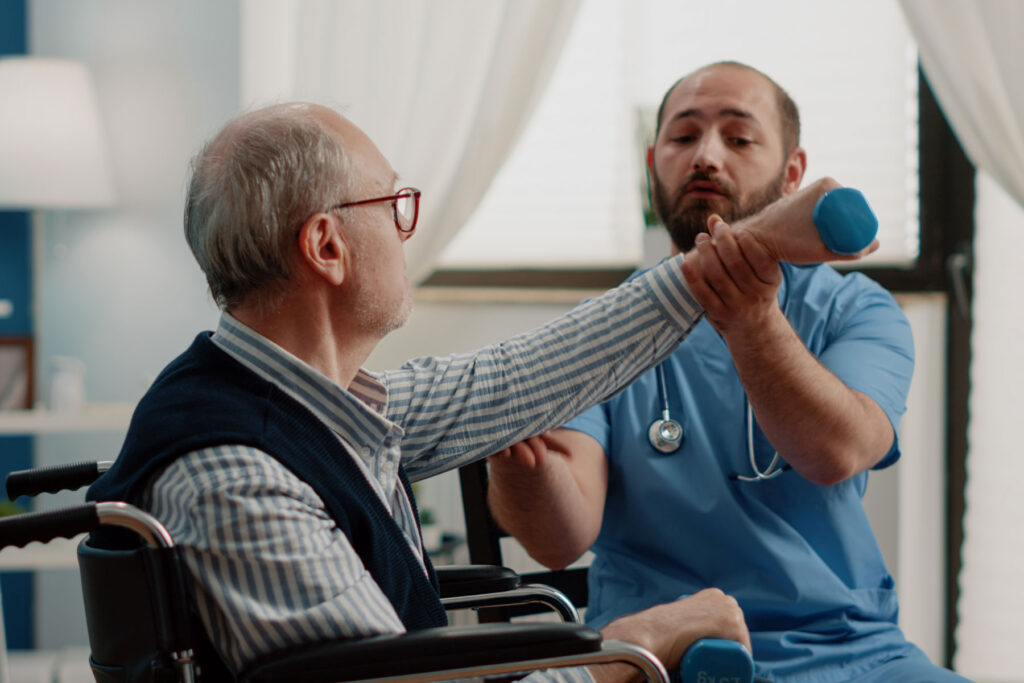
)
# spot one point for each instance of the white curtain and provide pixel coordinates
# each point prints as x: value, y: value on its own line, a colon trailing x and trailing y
x: 443, y: 87
x: 971, y: 54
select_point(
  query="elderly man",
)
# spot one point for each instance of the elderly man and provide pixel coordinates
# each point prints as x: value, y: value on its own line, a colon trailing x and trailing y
x: 282, y: 468
x: 777, y: 406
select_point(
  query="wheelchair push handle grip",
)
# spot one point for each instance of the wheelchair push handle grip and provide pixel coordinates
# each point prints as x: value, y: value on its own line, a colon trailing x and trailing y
x: 715, y: 660
x: 20, y: 530
x: 53, y: 479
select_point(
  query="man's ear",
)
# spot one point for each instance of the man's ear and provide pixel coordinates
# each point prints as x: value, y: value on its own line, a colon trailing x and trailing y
x: 323, y: 249
x: 796, y: 164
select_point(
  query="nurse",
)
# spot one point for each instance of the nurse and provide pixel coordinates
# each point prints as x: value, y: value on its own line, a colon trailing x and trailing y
x: 741, y: 461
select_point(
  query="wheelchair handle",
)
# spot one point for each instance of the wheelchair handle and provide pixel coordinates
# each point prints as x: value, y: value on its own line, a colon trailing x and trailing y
x: 20, y: 530
x: 53, y: 479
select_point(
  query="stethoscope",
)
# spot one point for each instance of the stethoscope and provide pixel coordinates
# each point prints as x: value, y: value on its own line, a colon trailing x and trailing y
x: 666, y: 434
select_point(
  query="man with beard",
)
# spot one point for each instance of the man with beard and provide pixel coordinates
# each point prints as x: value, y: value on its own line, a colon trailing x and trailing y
x: 740, y: 462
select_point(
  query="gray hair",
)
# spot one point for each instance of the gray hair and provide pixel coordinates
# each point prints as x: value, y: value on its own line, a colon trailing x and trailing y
x: 250, y: 190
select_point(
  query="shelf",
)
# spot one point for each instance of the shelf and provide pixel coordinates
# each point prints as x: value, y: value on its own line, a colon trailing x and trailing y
x: 93, y: 417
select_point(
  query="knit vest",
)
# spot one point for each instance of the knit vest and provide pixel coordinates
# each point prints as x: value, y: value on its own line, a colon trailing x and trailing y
x: 206, y: 398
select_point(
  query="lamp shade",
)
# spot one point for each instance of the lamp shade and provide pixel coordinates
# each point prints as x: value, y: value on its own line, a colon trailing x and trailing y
x: 52, y: 147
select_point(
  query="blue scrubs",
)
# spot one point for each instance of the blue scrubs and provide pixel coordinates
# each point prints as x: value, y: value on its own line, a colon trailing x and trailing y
x: 800, y: 558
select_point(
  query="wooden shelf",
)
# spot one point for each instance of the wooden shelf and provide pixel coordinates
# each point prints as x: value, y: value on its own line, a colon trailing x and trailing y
x: 93, y: 417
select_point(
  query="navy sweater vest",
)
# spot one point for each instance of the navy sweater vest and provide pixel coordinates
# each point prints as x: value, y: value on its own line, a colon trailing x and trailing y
x: 206, y: 398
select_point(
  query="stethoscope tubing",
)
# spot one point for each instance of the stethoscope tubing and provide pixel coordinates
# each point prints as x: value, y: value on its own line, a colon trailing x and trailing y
x: 666, y: 434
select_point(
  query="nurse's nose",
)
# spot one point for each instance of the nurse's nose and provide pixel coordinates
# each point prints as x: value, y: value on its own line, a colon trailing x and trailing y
x: 709, y: 153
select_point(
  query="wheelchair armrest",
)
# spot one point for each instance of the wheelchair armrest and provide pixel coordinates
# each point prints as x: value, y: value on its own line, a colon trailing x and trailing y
x: 480, y: 586
x: 458, y: 580
x: 430, y: 650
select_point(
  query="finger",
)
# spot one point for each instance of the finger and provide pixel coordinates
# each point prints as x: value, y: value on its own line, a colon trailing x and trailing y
x: 713, y: 269
x: 554, y: 443
x: 758, y: 257
x: 523, y: 454
x: 693, y: 273
x: 871, y: 248
x: 539, y: 448
x: 734, y: 262
x: 714, y: 220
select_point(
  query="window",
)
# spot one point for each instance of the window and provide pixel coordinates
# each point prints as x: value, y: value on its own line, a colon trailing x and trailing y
x: 569, y: 197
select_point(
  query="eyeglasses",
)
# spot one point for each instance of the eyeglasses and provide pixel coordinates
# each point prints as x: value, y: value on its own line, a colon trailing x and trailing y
x: 406, y: 206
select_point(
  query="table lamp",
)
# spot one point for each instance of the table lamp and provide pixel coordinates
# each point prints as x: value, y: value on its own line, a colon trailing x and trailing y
x: 52, y: 147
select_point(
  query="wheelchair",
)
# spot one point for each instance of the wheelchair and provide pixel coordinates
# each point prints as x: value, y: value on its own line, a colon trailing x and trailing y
x: 142, y: 630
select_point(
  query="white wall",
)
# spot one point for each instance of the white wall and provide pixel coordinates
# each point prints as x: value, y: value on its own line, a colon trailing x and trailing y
x: 992, y: 596
x: 119, y: 288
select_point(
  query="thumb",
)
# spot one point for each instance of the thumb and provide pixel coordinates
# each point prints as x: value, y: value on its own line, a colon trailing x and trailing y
x: 714, y: 222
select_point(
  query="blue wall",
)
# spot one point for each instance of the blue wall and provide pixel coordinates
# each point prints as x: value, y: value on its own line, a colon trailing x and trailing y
x: 16, y: 287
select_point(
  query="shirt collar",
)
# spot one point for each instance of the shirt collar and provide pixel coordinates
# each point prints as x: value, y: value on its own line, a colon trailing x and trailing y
x: 356, y: 413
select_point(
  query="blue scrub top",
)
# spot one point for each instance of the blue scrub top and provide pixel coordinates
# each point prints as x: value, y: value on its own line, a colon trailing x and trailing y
x: 800, y: 558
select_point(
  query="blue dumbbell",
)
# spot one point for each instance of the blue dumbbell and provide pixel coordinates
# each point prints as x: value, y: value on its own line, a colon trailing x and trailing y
x: 844, y: 220
x: 714, y: 660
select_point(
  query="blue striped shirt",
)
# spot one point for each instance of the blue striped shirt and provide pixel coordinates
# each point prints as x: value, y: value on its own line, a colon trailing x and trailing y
x: 273, y: 571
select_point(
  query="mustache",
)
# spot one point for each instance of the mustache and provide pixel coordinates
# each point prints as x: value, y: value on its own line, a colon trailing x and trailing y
x: 725, y: 188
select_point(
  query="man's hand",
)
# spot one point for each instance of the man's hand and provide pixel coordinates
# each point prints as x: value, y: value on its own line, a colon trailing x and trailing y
x: 787, y: 230
x: 668, y: 630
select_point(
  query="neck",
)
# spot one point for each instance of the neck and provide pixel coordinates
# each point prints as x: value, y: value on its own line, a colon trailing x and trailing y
x: 310, y: 334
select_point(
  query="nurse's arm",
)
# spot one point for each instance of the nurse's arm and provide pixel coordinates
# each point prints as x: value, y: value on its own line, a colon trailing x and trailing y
x: 549, y: 492
x: 823, y: 428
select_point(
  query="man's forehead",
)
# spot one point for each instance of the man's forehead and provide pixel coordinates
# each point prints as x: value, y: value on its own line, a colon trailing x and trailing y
x: 723, y: 92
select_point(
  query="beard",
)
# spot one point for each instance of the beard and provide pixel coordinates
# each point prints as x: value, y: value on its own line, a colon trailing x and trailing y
x: 378, y: 297
x: 380, y: 317
x: 685, y: 222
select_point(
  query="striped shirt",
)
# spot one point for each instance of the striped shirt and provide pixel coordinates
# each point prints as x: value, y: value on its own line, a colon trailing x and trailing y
x: 271, y: 570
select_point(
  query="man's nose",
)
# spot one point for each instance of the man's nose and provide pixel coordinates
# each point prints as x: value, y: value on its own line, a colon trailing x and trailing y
x: 708, y: 154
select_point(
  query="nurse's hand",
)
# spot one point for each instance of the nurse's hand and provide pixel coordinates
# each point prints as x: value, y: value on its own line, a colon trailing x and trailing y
x: 549, y: 492
x: 531, y: 453
x: 668, y: 630
x: 734, y: 277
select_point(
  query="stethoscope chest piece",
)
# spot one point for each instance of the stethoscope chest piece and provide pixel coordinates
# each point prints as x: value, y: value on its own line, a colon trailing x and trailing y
x: 665, y: 435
